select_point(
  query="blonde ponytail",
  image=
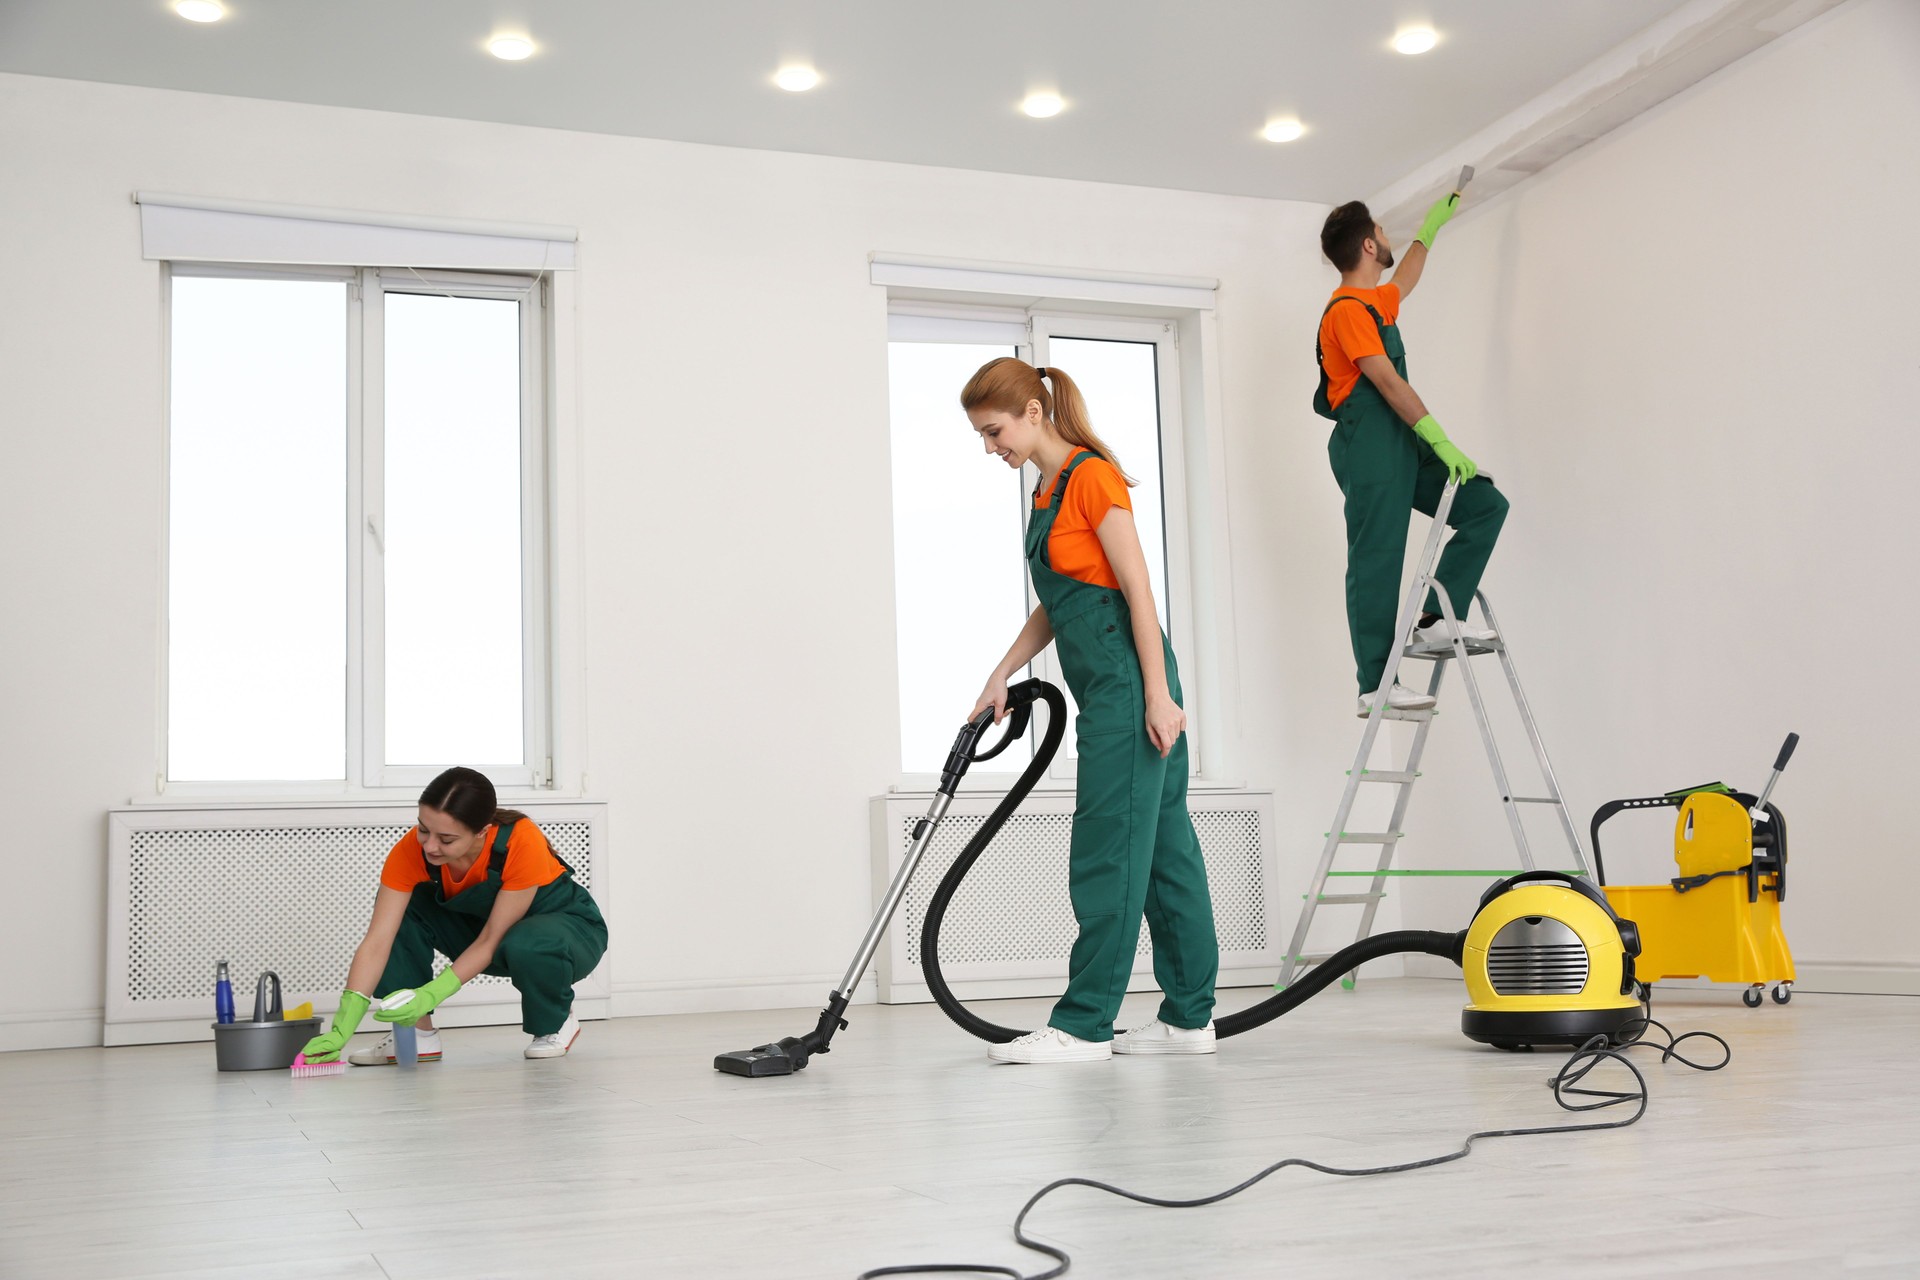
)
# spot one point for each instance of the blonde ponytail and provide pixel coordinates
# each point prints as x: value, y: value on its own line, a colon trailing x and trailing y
x: 1006, y: 385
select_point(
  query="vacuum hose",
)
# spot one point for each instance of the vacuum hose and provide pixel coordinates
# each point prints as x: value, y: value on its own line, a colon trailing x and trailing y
x: 1317, y: 979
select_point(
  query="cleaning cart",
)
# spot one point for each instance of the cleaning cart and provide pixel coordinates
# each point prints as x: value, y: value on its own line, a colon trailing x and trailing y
x: 1720, y: 917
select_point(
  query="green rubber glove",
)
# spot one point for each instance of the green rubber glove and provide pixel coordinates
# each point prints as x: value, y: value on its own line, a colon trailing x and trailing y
x: 1460, y: 468
x: 1438, y: 217
x: 425, y: 1000
x: 346, y: 1020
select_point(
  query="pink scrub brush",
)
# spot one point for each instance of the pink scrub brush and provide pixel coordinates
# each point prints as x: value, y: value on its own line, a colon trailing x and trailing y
x: 301, y: 1068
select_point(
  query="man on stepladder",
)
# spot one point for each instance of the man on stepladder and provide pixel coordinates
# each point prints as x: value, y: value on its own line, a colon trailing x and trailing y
x: 1388, y: 453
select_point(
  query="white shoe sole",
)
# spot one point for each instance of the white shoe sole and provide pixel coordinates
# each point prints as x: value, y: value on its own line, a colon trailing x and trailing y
x: 558, y: 1051
x: 1092, y: 1053
x: 1395, y: 713
x: 1167, y: 1047
x: 391, y: 1062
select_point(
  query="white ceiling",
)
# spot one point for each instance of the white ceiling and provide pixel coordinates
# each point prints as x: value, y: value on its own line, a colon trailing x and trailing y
x: 1164, y: 93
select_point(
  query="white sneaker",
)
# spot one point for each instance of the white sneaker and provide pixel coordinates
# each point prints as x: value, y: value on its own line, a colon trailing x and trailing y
x: 1399, y: 698
x: 1050, y: 1044
x: 1161, y: 1037
x: 557, y: 1044
x: 381, y: 1055
x: 1435, y: 635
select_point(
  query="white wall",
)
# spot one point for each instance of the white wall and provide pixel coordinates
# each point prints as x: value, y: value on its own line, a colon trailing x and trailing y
x: 731, y: 426
x: 1688, y: 353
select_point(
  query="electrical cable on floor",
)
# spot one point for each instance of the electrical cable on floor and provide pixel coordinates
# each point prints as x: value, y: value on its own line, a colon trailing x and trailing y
x: 1565, y: 1084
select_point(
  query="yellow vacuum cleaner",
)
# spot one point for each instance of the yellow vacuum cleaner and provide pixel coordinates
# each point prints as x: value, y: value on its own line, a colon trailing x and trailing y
x: 1720, y: 917
x: 1548, y: 961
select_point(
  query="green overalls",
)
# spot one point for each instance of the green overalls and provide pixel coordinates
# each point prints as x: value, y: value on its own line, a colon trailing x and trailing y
x: 553, y: 946
x: 1385, y: 471
x: 1133, y: 847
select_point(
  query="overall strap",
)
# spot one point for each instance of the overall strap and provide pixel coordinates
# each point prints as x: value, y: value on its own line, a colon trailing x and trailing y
x: 497, y: 856
x: 1379, y: 322
x: 1066, y: 473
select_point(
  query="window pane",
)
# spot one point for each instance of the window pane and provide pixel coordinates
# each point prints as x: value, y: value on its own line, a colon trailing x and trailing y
x: 256, y: 568
x: 959, y: 576
x: 1120, y: 383
x: 453, y: 561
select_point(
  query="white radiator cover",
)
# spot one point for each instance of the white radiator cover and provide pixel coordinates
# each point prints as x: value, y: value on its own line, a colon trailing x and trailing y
x: 1010, y: 929
x: 283, y: 888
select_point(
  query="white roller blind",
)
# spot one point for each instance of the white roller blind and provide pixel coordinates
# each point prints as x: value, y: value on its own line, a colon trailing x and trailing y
x: 914, y: 276
x: 212, y: 229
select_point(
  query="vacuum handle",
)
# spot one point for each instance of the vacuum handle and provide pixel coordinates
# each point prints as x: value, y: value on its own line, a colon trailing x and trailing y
x: 1779, y: 763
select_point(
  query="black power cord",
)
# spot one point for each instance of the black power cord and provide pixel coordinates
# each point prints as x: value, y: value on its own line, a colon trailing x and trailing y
x: 1565, y: 1083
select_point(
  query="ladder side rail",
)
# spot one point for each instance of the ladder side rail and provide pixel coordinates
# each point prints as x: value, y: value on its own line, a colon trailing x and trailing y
x: 1486, y: 725
x: 1377, y: 886
x: 1375, y: 717
x: 1534, y: 737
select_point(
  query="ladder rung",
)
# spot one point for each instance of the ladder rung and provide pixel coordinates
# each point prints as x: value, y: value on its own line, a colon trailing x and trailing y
x: 1350, y: 899
x: 1401, y: 776
x: 1534, y: 799
x: 1367, y: 837
x: 1444, y: 649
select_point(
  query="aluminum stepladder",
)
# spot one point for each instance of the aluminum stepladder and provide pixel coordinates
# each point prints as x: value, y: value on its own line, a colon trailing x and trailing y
x: 1458, y: 650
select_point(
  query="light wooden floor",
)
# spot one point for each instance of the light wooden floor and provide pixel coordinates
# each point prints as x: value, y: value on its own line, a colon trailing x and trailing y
x: 634, y: 1158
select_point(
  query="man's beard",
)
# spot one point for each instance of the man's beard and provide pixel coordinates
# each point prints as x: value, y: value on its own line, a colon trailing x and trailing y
x: 1383, y: 256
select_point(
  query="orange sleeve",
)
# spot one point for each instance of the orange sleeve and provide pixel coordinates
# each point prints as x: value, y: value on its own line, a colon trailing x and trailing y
x: 1094, y: 488
x: 1388, y: 304
x: 530, y: 860
x: 1353, y: 331
x: 406, y: 866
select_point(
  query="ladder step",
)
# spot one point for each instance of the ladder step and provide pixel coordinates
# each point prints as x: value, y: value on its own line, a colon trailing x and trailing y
x: 1366, y: 837
x: 1534, y: 799
x: 1444, y: 649
x: 1400, y: 776
x: 1349, y: 899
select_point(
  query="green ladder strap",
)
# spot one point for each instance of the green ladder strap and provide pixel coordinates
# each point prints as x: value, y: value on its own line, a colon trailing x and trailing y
x: 1491, y: 875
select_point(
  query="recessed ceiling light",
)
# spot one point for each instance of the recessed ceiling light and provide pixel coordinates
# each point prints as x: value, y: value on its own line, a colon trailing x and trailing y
x: 1415, y: 39
x: 797, y: 78
x: 1283, y: 130
x: 1042, y: 105
x: 510, y: 48
x: 200, y: 10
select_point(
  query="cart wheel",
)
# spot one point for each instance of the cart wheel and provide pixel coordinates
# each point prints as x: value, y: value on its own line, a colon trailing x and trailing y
x: 1782, y: 992
x: 1751, y: 997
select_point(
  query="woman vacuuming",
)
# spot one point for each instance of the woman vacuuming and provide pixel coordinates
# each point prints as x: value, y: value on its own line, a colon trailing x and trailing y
x: 480, y: 885
x: 1133, y: 850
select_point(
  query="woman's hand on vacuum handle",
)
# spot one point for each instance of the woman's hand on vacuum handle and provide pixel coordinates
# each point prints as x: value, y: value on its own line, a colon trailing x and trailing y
x: 995, y: 696
x: 1165, y: 721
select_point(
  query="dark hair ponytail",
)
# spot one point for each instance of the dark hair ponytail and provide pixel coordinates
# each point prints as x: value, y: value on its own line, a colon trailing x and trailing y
x: 467, y: 796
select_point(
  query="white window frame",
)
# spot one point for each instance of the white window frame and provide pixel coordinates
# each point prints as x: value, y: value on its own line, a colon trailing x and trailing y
x: 365, y: 769
x: 1164, y: 335
x: 917, y: 320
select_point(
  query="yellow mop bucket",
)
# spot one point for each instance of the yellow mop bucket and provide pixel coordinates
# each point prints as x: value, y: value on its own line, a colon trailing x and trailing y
x: 1720, y: 917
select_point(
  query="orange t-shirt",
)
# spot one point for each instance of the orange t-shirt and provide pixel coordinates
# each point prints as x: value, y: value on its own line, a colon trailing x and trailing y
x: 1348, y: 333
x: 530, y: 862
x: 1073, y: 548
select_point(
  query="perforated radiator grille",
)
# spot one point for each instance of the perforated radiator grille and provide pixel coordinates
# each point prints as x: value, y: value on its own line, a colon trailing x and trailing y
x: 291, y: 899
x: 1014, y: 904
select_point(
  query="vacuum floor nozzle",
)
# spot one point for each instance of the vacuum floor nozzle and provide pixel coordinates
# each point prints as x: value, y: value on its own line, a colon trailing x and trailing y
x: 765, y: 1060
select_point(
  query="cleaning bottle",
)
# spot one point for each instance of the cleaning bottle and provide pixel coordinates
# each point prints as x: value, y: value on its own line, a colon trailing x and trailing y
x: 222, y: 994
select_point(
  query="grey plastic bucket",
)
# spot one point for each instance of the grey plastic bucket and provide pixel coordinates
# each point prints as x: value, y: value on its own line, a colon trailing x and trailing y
x: 261, y: 1046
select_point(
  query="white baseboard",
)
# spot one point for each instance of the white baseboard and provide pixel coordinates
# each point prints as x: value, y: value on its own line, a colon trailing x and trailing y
x: 1024, y: 988
x: 730, y: 995
x: 60, y: 1029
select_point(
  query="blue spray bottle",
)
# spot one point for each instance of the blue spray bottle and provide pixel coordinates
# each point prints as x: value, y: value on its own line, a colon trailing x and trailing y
x: 222, y: 994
